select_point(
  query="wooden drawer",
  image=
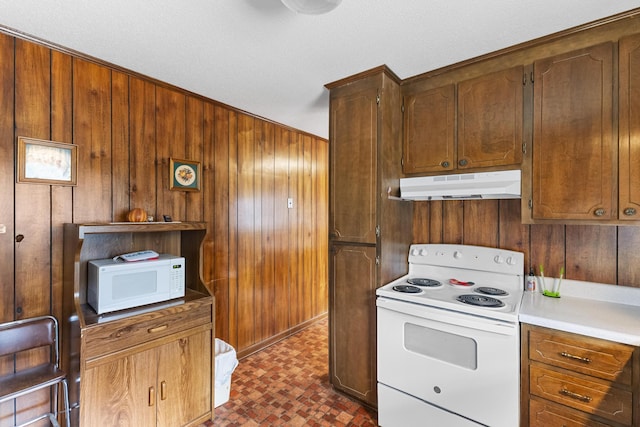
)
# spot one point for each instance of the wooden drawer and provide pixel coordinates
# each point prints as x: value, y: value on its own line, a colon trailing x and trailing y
x: 124, y: 333
x: 593, y: 397
x: 546, y: 414
x: 591, y: 356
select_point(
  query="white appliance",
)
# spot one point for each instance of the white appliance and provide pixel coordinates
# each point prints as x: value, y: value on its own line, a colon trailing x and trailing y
x: 483, y: 185
x: 116, y: 285
x: 442, y: 359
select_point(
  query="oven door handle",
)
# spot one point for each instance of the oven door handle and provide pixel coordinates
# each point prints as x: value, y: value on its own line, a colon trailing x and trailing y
x: 449, y: 317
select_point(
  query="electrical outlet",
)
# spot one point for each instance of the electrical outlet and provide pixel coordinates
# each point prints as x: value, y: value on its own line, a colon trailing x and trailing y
x: 290, y: 203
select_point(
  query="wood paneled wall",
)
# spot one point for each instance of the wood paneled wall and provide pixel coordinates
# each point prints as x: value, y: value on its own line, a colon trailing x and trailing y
x: 265, y: 263
x: 594, y: 253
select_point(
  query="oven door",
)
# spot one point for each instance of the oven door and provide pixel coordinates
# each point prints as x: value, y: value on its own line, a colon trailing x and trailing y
x: 466, y: 365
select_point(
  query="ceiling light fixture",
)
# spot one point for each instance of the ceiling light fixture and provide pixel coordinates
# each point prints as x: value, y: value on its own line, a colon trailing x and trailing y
x: 311, y: 7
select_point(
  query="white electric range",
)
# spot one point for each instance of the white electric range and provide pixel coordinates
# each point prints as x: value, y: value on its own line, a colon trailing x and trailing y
x: 449, y: 340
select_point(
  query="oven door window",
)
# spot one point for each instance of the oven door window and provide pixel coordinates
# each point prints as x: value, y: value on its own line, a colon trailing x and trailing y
x: 440, y: 345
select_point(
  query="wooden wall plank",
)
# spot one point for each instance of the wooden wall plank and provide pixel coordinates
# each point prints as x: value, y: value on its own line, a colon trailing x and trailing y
x: 92, y: 133
x: 120, y: 176
x: 307, y: 296
x: 33, y: 201
x: 246, y: 231
x: 208, y: 194
x: 281, y: 235
x: 33, y: 209
x: 61, y: 196
x: 220, y: 227
x: 629, y: 256
x: 194, y: 149
x: 7, y: 180
x: 234, y: 268
x: 421, y: 220
x: 257, y: 239
x: 591, y: 253
x: 453, y: 221
x: 170, y: 142
x: 436, y: 222
x: 7, y: 288
x: 295, y: 230
x: 547, y: 248
x: 480, y: 225
x: 268, y: 304
x: 142, y: 147
x: 320, y: 175
x: 513, y: 234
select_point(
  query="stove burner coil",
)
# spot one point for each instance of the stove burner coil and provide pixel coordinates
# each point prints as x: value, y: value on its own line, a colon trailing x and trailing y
x: 480, y: 300
x: 428, y: 283
x: 487, y: 290
x: 407, y: 289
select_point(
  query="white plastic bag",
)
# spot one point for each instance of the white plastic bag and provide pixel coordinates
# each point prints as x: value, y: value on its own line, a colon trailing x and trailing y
x: 225, y: 362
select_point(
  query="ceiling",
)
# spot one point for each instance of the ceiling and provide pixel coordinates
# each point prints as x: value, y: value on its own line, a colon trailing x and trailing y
x: 260, y: 57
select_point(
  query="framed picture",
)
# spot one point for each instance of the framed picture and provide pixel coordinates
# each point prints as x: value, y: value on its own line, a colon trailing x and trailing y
x: 47, y: 162
x: 184, y: 175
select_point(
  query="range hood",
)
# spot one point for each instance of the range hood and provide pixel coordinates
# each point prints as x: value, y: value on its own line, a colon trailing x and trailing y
x: 483, y: 185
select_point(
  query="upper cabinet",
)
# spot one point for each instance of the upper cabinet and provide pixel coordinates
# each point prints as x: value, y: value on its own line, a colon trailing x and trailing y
x: 479, y: 126
x: 353, y: 162
x: 429, y: 130
x: 574, y: 150
x: 629, y: 129
x: 580, y: 170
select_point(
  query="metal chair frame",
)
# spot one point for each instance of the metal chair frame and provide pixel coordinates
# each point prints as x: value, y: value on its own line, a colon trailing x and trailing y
x: 22, y: 335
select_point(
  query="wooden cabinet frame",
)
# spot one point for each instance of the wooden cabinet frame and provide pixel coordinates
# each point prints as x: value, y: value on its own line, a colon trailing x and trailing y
x: 139, y: 335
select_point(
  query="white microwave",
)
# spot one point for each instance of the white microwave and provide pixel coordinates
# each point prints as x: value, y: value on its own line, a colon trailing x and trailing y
x: 117, y: 285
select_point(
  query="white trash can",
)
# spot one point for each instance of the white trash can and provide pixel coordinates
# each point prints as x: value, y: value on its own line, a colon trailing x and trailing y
x: 225, y: 363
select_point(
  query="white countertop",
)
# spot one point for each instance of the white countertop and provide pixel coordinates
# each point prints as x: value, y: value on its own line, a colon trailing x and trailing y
x: 593, y: 309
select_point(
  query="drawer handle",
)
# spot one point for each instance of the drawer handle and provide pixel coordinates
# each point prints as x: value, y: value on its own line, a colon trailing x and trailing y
x: 157, y: 329
x: 573, y: 357
x: 152, y: 396
x: 580, y: 397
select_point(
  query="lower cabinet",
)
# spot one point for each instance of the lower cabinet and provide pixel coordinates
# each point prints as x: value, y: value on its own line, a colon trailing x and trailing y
x: 575, y: 380
x: 163, y: 386
x: 352, y: 322
x: 149, y: 372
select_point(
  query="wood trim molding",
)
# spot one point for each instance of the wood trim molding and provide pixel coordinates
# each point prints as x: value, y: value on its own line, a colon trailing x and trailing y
x: 279, y: 337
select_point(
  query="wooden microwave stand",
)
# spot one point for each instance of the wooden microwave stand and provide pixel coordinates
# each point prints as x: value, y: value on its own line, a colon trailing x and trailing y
x: 151, y: 365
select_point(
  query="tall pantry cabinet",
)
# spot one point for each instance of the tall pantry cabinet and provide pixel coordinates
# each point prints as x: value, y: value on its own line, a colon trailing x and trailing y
x: 369, y: 229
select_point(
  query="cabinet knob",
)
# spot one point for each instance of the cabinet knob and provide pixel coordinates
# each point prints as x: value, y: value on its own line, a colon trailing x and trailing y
x: 629, y: 211
x: 462, y: 162
x: 444, y: 164
x: 599, y: 212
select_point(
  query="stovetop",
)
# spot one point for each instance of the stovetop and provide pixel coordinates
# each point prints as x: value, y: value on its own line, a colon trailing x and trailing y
x: 458, y: 270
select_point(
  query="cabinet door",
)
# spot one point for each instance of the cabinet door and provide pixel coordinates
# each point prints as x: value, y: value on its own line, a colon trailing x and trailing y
x: 120, y: 393
x: 629, y: 197
x: 352, y: 353
x: 184, y: 380
x: 490, y: 119
x: 574, y: 155
x: 353, y: 167
x: 429, y: 131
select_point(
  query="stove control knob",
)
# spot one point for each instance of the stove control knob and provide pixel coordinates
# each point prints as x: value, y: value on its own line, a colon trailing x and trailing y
x: 414, y: 252
x: 457, y: 254
x: 498, y: 259
x: 511, y: 261
x: 423, y: 252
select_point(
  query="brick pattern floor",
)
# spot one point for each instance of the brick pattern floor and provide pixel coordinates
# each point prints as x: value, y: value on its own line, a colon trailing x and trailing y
x: 287, y: 385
